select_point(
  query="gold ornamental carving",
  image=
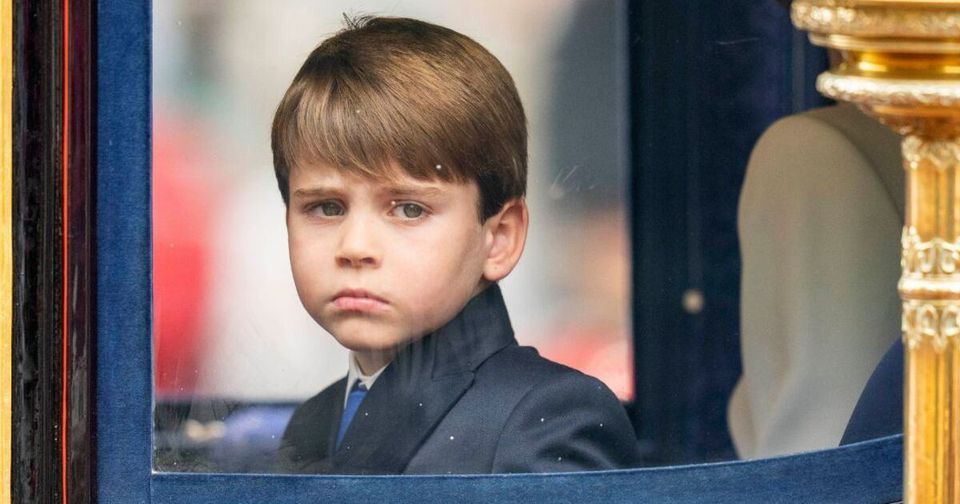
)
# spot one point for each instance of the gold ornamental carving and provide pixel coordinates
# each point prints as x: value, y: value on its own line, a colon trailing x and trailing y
x: 934, y: 323
x: 936, y: 257
x: 941, y: 154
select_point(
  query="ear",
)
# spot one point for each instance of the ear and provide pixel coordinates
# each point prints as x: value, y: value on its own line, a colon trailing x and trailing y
x: 505, y: 235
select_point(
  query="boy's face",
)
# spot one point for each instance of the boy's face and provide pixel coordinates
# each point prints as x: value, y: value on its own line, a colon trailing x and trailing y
x: 381, y: 263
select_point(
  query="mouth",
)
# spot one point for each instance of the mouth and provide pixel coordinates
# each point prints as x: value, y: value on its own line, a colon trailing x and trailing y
x: 358, y: 300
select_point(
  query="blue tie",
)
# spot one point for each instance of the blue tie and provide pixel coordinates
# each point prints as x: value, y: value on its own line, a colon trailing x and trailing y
x: 357, y: 393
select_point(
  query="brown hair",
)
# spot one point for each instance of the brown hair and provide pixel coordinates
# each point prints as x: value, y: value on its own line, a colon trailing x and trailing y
x: 400, y: 90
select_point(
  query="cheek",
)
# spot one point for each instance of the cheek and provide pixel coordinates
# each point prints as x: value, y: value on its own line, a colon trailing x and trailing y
x: 306, y: 261
x: 445, y: 261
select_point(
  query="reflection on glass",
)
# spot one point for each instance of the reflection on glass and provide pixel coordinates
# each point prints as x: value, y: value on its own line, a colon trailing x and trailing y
x: 235, y: 350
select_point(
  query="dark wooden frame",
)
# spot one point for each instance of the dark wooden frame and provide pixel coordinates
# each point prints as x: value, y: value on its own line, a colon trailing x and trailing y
x: 53, y: 139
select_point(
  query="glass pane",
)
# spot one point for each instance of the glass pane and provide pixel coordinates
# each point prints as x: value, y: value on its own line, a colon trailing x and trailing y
x: 235, y: 350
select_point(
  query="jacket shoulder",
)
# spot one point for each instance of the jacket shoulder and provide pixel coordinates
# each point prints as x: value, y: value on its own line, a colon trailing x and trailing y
x: 559, y: 420
x: 525, y: 362
x: 518, y: 370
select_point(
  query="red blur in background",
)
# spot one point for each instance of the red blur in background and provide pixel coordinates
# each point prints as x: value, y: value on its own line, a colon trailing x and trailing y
x: 184, y: 197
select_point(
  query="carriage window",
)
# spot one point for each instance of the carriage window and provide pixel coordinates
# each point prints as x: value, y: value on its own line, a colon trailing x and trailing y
x: 236, y: 351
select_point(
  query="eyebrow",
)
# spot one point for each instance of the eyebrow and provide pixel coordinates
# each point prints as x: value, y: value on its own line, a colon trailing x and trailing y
x: 316, y: 191
x: 413, y: 191
x: 395, y: 191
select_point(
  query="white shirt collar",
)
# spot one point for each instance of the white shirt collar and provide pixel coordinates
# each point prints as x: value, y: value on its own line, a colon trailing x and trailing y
x: 355, y: 374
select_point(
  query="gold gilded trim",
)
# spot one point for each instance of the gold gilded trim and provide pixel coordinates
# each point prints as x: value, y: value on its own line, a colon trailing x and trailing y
x: 890, y: 92
x: 877, y: 19
x: 6, y: 244
x: 852, y: 43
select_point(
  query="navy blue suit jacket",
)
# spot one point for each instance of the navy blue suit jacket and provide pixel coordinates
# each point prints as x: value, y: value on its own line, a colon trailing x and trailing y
x: 879, y: 411
x: 466, y: 399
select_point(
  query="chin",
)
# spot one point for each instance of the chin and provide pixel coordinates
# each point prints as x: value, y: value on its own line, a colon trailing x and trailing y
x: 360, y: 340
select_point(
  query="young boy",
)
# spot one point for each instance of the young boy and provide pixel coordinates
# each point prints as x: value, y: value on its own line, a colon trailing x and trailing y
x: 400, y: 152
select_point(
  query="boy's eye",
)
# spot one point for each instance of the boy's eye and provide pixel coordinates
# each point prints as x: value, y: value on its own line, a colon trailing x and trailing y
x: 409, y: 210
x: 412, y: 211
x: 330, y: 209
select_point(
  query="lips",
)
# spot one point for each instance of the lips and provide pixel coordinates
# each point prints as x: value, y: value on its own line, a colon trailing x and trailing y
x: 358, y: 300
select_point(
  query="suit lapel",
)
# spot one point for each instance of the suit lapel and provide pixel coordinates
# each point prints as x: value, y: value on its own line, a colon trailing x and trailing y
x: 311, y: 441
x: 394, y: 419
x: 422, y: 384
x: 331, y: 423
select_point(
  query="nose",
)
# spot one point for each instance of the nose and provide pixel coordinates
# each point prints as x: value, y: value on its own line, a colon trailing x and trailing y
x: 357, y: 244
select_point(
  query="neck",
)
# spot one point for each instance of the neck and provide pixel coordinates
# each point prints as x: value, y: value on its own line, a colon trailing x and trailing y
x: 372, y: 361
